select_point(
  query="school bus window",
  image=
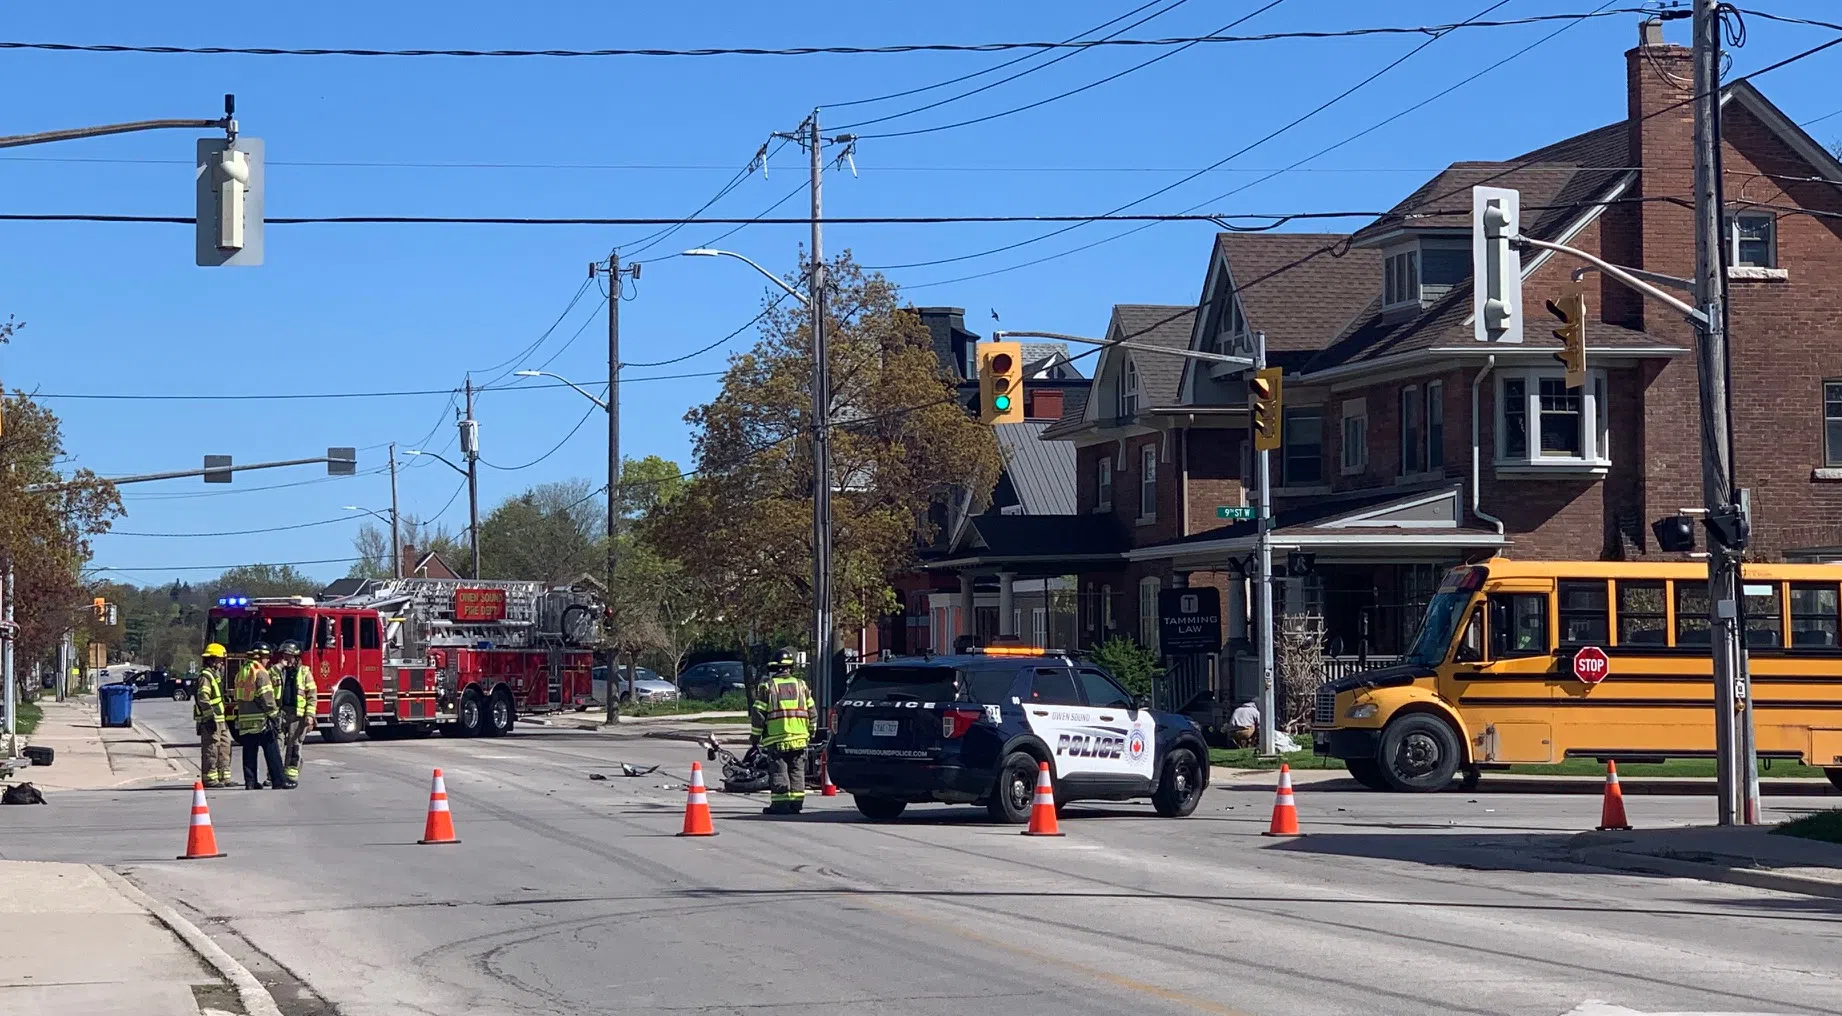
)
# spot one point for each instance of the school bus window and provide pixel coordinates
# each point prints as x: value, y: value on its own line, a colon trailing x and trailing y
x: 1471, y: 643
x: 1519, y: 624
x: 1813, y: 614
x: 1691, y: 614
x: 1584, y: 619
x: 1764, y: 614
x: 1642, y: 620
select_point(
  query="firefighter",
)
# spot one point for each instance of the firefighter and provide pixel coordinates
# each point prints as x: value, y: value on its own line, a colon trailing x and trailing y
x: 298, y: 698
x: 257, y: 718
x: 781, y: 717
x: 208, y: 717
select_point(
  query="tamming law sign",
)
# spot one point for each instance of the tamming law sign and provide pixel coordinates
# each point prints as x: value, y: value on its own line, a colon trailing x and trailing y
x: 1190, y: 620
x: 475, y: 604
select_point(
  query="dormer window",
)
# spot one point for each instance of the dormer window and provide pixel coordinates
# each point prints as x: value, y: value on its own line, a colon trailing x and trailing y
x: 1128, y: 390
x: 1401, y: 278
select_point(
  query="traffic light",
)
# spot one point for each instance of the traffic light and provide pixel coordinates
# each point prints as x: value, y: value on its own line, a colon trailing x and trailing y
x: 1496, y: 265
x: 1000, y: 382
x: 1571, y: 310
x: 110, y: 617
x: 1263, y: 407
x: 99, y: 608
x: 230, y: 182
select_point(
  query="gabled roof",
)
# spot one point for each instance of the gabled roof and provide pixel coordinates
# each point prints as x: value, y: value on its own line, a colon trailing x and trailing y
x: 1041, y: 472
x: 1298, y: 287
x: 1157, y: 325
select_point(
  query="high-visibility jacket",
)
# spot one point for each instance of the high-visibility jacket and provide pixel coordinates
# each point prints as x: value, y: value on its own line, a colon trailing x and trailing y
x: 208, y: 700
x: 781, y: 713
x: 253, y: 698
x: 296, y: 692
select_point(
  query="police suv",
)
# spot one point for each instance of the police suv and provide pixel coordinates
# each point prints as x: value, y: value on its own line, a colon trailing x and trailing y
x: 971, y: 729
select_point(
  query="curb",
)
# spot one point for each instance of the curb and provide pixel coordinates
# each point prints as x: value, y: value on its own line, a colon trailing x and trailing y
x: 255, y: 998
x: 1756, y: 878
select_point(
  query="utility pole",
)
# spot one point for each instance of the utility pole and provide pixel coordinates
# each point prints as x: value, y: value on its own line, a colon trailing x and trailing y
x: 470, y: 446
x: 1263, y: 557
x: 396, y: 531
x: 11, y: 696
x: 821, y: 443
x: 1737, y: 773
x: 614, y: 286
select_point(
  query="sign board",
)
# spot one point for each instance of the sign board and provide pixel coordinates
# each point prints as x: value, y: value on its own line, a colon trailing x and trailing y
x: 1190, y: 620
x: 99, y: 655
x: 475, y: 604
x: 217, y: 469
x: 1247, y: 514
x: 1591, y: 665
x: 341, y: 461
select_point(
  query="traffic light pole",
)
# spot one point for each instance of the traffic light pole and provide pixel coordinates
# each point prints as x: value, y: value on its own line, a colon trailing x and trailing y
x: 1263, y: 558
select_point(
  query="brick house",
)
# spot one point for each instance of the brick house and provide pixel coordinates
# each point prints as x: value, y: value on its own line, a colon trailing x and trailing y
x: 1389, y: 400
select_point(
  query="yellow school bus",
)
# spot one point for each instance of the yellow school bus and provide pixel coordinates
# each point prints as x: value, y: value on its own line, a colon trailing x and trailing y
x: 1491, y: 680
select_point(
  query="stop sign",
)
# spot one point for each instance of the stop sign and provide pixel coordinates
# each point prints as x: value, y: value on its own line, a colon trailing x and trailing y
x: 1591, y: 664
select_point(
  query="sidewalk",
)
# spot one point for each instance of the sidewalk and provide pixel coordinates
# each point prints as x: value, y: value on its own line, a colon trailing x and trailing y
x: 1517, y: 783
x: 81, y: 941
x: 1740, y: 855
x: 91, y: 756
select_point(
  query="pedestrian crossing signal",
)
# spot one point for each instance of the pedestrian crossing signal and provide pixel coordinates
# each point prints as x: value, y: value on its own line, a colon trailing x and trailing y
x: 1000, y: 382
x: 1264, y: 409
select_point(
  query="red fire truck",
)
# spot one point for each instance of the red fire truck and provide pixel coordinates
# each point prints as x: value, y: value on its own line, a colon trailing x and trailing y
x: 410, y: 655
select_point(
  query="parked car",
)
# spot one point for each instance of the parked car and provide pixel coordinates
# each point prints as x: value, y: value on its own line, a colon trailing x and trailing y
x: 712, y: 680
x: 646, y: 686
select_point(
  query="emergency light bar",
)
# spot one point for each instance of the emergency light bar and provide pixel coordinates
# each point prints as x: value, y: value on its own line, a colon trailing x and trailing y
x: 1013, y: 651
x: 233, y: 601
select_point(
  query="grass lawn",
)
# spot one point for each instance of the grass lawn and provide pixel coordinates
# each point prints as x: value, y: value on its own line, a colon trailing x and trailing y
x: 728, y: 703
x: 1675, y: 767
x: 29, y: 715
x: 1245, y: 758
x: 1824, y: 825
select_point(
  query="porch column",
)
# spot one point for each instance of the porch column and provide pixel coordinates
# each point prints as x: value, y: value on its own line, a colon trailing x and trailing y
x: 1236, y: 607
x: 966, y: 580
x: 1007, y: 604
x: 1180, y: 580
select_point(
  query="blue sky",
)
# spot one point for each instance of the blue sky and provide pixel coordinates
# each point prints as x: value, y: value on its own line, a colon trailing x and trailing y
x: 121, y: 309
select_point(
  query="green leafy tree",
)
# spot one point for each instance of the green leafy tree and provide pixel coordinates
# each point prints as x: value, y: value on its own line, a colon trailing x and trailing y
x: 262, y: 580
x: 743, y: 526
x: 1134, y: 665
x: 547, y: 534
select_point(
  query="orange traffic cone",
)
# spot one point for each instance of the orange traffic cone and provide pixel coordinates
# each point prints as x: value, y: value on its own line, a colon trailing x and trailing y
x: 440, y: 825
x: 1285, y: 810
x: 200, y: 841
x: 697, y: 806
x: 830, y: 789
x: 1042, y: 809
x: 1612, y: 813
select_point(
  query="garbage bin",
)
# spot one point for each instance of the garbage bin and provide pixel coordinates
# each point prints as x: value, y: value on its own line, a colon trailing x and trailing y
x: 117, y: 702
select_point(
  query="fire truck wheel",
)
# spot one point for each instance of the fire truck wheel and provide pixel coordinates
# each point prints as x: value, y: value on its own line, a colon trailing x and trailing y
x: 348, y: 717
x: 473, y: 714
x: 500, y: 714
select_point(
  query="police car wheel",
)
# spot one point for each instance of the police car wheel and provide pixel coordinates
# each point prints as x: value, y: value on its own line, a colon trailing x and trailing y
x: 1016, y: 789
x: 879, y: 809
x: 1180, y: 788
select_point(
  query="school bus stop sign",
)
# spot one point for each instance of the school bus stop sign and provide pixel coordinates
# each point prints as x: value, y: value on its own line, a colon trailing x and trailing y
x: 1591, y: 665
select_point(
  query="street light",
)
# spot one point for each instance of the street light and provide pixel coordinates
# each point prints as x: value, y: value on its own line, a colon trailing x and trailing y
x: 473, y: 505
x: 592, y: 397
x: 821, y: 444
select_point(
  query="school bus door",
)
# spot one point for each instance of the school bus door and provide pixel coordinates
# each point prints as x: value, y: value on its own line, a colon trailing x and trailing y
x: 1502, y: 676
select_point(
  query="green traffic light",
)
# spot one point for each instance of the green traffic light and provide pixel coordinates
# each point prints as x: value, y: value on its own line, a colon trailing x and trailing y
x: 1001, y: 403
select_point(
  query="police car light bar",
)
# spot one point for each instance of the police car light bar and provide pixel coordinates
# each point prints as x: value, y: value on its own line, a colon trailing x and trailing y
x: 1014, y: 651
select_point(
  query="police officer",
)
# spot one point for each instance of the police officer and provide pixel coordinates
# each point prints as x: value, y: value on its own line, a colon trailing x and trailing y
x: 208, y: 717
x: 257, y: 718
x: 298, y: 698
x: 780, y: 718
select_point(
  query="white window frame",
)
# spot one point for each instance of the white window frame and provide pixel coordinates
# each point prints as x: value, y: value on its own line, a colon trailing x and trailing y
x: 1128, y: 389
x: 1354, y: 447
x: 1435, y: 399
x: 1103, y: 485
x: 1595, y: 411
x: 1411, y: 406
x: 1733, y: 238
x: 1148, y: 482
x: 1106, y: 609
x: 1401, y: 278
x: 1148, y: 612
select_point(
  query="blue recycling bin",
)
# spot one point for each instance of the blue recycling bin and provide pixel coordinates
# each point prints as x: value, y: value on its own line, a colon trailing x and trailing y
x: 117, y: 702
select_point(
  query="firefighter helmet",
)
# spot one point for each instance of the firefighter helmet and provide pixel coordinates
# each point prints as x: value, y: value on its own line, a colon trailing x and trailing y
x: 786, y: 658
x: 290, y: 648
x: 214, y: 651
x: 259, y: 648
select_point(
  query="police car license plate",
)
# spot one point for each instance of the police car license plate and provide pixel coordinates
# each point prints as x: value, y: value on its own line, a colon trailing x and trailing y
x: 884, y: 728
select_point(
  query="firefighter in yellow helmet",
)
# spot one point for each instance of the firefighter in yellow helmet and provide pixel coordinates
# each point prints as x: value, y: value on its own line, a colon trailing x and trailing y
x: 257, y: 719
x: 780, y: 717
x: 298, y: 698
x: 208, y: 717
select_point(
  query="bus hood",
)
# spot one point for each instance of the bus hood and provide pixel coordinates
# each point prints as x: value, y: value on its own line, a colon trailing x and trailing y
x: 1382, y: 677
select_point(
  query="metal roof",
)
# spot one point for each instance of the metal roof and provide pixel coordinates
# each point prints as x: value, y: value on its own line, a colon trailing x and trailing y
x: 1041, y: 472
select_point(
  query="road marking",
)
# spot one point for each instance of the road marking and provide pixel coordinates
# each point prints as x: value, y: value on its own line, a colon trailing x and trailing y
x: 1594, y: 1007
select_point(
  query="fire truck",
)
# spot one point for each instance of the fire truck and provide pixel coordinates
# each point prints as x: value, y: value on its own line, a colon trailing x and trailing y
x: 408, y: 656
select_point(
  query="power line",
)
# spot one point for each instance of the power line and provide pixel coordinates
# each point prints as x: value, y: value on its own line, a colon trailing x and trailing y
x: 848, y: 220
x: 554, y: 448
x: 725, y: 339
x: 231, y: 489
x: 759, y: 159
x: 545, y: 334
x: 219, y: 397
x: 1063, y: 95
x: 245, y: 532
x: 226, y: 567
x: 937, y: 47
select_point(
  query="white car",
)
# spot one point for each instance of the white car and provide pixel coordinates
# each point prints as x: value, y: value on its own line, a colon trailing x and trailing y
x: 646, y: 686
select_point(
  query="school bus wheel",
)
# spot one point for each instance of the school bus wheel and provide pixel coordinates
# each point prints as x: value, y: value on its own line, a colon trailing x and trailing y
x: 1835, y: 777
x: 1419, y: 753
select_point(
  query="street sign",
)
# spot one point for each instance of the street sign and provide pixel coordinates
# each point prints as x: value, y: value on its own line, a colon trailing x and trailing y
x: 217, y: 469
x: 1591, y: 665
x: 99, y: 655
x: 1246, y: 514
x: 341, y: 461
x: 1190, y: 620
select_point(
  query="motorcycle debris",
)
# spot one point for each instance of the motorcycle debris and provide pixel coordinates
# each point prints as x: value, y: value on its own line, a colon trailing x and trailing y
x: 597, y: 776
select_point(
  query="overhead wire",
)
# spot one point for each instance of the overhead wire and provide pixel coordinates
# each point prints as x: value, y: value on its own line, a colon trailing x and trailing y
x: 242, y: 532
x: 226, y: 567
x: 554, y: 448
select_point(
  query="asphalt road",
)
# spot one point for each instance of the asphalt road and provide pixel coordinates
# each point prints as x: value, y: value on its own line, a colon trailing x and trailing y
x: 568, y: 895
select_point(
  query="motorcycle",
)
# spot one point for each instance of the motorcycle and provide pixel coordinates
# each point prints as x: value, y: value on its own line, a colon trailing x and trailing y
x: 748, y: 773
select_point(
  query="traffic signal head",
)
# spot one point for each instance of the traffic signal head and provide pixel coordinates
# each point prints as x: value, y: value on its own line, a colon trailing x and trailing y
x: 1001, y: 382
x: 1570, y: 310
x: 1675, y: 533
x: 99, y: 608
x: 1496, y: 265
x: 1263, y: 407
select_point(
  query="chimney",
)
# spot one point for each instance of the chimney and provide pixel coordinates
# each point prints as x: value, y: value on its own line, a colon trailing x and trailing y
x: 409, y: 559
x: 1655, y: 235
x: 1042, y: 404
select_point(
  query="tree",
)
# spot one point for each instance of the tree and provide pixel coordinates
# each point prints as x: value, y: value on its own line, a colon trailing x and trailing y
x: 262, y: 580
x: 743, y: 525
x: 1134, y: 665
x: 547, y: 534
x: 372, y: 545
